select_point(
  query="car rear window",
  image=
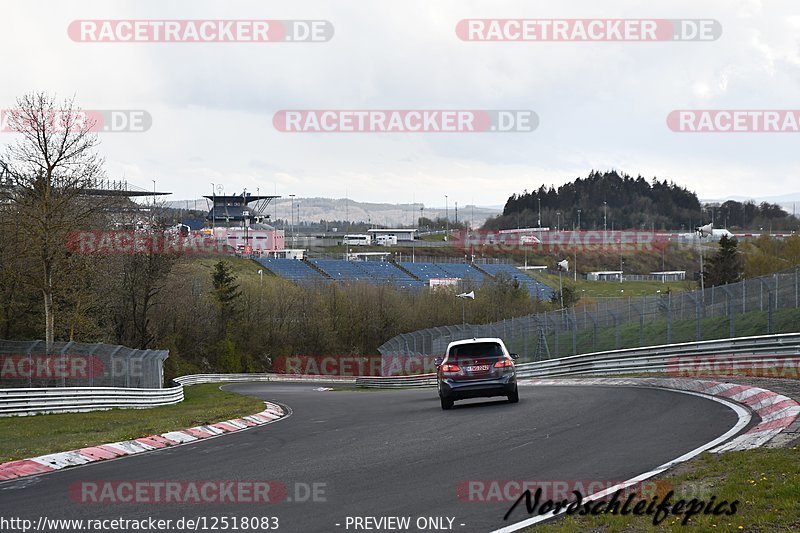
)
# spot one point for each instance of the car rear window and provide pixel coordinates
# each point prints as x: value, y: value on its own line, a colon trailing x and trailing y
x: 490, y: 350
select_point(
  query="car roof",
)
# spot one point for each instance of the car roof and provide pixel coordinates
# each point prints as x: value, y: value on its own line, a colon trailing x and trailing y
x: 475, y: 341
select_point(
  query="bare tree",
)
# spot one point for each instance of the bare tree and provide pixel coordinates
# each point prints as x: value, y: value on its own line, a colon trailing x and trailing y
x: 48, y: 170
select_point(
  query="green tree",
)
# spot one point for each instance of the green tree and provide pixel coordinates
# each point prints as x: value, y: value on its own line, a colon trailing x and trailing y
x: 726, y: 265
x: 571, y: 297
x: 226, y: 294
x: 48, y: 170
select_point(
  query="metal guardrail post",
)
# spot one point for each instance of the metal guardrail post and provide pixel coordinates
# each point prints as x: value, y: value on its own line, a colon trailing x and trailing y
x: 91, y: 366
x: 697, y: 317
x: 594, y: 330
x: 63, y: 356
x: 669, y: 318
x: 30, y: 361
x: 731, y: 316
x: 640, y: 310
x: 615, y: 318
x: 769, y: 303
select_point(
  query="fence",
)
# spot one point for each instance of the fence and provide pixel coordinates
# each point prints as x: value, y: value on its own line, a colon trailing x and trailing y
x: 418, y: 257
x: 29, y: 364
x: 769, y: 355
x: 765, y: 305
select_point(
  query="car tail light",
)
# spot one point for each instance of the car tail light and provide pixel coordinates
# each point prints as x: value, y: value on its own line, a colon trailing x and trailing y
x: 447, y: 368
x: 504, y: 363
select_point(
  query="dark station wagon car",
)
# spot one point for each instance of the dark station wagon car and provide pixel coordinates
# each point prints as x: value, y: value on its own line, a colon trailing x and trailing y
x: 476, y: 368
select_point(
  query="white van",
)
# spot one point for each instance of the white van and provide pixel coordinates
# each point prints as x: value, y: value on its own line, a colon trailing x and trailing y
x: 356, y: 240
x: 386, y: 240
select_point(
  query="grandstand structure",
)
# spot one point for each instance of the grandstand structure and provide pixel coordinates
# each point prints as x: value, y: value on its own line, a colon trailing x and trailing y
x: 403, y: 275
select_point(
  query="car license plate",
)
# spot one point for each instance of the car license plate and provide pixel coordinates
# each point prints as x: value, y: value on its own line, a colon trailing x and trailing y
x: 478, y: 368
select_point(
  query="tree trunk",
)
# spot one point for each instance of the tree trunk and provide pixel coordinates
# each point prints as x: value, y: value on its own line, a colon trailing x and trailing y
x: 48, y: 318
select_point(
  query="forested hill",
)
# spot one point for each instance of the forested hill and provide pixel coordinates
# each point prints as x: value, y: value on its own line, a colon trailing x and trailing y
x: 631, y: 203
x: 634, y: 203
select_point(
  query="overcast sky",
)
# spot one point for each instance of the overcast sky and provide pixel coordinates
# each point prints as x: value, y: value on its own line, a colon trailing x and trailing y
x: 600, y: 105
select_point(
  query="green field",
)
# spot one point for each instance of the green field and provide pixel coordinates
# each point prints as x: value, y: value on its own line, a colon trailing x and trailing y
x: 766, y: 483
x: 30, y: 436
x: 435, y: 237
x: 603, y: 289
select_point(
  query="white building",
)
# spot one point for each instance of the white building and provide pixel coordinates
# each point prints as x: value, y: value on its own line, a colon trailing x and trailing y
x: 402, y: 235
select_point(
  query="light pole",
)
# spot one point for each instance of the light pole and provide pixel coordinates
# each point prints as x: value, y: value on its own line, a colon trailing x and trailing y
x: 575, y: 265
x: 463, y: 296
x: 579, y: 219
x: 558, y: 220
x: 291, y: 217
x: 246, y: 217
x: 539, y: 199
x: 213, y: 205
x: 446, y: 218
x: 563, y: 266
x: 605, y: 210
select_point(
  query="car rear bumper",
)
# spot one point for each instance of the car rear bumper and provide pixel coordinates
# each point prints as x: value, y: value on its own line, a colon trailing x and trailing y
x: 459, y: 390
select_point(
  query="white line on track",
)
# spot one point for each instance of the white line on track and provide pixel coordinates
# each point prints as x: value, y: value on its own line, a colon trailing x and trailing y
x: 744, y: 420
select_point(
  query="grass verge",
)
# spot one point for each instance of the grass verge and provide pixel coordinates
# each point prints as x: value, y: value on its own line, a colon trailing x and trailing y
x: 30, y: 436
x: 766, y: 482
x: 607, y: 289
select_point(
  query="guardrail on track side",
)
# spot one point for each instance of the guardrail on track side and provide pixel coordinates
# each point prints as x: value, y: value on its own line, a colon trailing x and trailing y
x: 23, y: 402
x: 232, y: 378
x: 682, y: 357
x: 82, y: 399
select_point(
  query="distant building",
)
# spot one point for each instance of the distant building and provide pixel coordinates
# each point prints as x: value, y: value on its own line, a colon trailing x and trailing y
x: 670, y: 275
x: 238, y: 210
x: 240, y: 221
x: 402, y: 235
x: 604, y: 275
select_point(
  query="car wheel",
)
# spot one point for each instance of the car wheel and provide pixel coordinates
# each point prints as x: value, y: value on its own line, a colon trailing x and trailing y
x: 514, y: 396
x: 446, y: 403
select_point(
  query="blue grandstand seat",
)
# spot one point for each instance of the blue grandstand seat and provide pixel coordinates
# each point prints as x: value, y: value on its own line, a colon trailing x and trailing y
x: 386, y: 272
x: 292, y: 269
x: 375, y: 271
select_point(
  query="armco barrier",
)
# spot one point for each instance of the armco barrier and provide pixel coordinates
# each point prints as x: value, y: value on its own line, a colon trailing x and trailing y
x: 743, y: 350
x: 81, y: 399
x: 739, y: 351
x: 397, y: 382
x: 233, y: 378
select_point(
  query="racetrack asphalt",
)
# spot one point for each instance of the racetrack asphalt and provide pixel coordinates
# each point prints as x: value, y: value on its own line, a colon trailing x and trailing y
x: 396, y: 453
